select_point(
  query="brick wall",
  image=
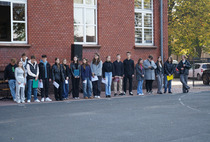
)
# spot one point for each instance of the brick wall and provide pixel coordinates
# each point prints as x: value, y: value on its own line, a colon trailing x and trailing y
x: 50, y: 31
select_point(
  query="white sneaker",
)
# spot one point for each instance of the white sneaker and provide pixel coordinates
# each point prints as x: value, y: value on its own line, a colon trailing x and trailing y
x: 48, y: 99
x: 18, y: 102
x: 96, y: 97
x: 42, y: 100
x: 28, y: 101
x: 37, y: 101
x: 14, y: 100
x: 99, y: 97
x: 142, y: 94
x: 23, y: 101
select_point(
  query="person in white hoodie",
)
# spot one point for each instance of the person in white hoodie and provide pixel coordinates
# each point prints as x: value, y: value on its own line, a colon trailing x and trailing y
x: 33, y: 74
x: 24, y: 60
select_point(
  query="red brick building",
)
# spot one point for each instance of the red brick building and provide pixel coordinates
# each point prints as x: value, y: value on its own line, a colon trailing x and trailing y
x: 109, y: 27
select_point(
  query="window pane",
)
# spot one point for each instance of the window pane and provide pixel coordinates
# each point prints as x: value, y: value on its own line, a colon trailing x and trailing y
x: 90, y: 16
x: 78, y: 1
x: 90, y: 2
x: 147, y: 4
x: 147, y: 35
x: 19, y: 32
x: 138, y: 20
x: 91, y: 34
x: 78, y: 16
x: 138, y: 4
x: 5, y: 24
x: 148, y: 20
x: 18, y: 12
x: 138, y: 35
x: 78, y: 33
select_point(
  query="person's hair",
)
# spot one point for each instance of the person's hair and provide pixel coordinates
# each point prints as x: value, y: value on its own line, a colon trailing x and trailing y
x: 22, y: 67
x: 33, y: 57
x: 63, y: 64
x: 86, y: 64
x: 96, y: 62
x: 150, y: 57
x: 128, y: 52
x: 140, y: 61
x: 13, y: 60
x: 171, y: 59
x: 161, y: 62
x: 77, y: 59
x: 184, y: 56
x: 118, y: 54
x: 56, y: 63
x: 24, y: 54
x: 44, y: 56
x: 108, y: 57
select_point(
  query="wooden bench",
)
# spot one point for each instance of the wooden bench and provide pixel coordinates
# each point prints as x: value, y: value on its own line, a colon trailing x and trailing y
x: 4, y: 89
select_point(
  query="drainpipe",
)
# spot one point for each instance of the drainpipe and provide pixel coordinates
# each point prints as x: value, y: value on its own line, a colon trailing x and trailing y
x: 161, y: 28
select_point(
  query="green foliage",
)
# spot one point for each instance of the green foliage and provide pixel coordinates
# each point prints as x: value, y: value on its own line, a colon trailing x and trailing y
x: 189, y: 27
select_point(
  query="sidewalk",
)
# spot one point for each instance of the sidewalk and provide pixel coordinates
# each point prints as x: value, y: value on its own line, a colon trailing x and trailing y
x: 176, y: 88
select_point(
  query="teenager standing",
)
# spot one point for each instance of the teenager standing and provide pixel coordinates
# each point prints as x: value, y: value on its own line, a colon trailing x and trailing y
x: 66, y: 72
x: 75, y: 72
x: 58, y: 77
x: 24, y: 60
x: 140, y: 76
x: 33, y: 74
x: 108, y: 72
x: 118, y: 75
x: 9, y: 76
x: 86, y: 75
x: 45, y: 78
x: 168, y: 71
x: 20, y: 83
x: 149, y: 66
x: 96, y: 68
x: 159, y: 71
x: 184, y: 67
x: 128, y: 73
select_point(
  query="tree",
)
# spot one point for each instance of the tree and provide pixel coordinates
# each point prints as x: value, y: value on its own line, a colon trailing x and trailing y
x: 189, y: 27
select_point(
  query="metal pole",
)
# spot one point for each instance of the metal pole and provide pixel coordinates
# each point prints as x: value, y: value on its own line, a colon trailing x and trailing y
x: 161, y: 28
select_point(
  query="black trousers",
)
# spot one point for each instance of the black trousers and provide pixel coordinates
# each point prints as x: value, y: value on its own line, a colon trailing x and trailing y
x: 58, y: 91
x: 97, y: 86
x: 149, y: 85
x: 44, y: 90
x: 75, y: 87
x: 130, y: 78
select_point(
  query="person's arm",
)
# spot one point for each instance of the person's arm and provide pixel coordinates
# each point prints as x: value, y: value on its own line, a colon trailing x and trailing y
x: 68, y: 71
x: 146, y: 66
x: 90, y: 75
x: 72, y: 70
x: 103, y: 70
x: 132, y: 66
x: 62, y: 72
x: 29, y: 71
x: 79, y: 70
x: 154, y: 66
x: 137, y: 70
x: 53, y: 72
x: 50, y: 72
x: 6, y: 73
x: 16, y: 77
x: 156, y: 70
x: 179, y: 66
x: 40, y: 71
x: 166, y: 69
x: 187, y: 65
x: 82, y: 73
x: 122, y: 69
x: 113, y: 70
x: 37, y: 70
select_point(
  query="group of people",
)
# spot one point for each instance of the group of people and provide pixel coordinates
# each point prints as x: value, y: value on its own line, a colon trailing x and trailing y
x: 23, y: 76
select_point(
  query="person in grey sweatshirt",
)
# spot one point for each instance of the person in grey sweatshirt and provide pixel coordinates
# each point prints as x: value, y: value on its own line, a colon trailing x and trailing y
x: 96, y: 68
x: 20, y: 77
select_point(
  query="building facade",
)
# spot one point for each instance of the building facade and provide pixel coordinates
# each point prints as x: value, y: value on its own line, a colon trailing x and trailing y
x: 109, y: 27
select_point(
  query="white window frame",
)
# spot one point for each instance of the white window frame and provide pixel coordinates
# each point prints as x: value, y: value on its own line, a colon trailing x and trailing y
x: 145, y: 11
x: 84, y: 7
x: 14, y: 21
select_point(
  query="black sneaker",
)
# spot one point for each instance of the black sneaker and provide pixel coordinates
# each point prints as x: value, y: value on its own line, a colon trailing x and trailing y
x: 131, y: 93
x: 170, y: 92
x: 109, y: 96
x: 115, y: 94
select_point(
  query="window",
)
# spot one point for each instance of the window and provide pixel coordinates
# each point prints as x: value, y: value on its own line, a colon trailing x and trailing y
x: 13, y: 25
x: 144, y: 22
x: 85, y: 21
x: 197, y: 66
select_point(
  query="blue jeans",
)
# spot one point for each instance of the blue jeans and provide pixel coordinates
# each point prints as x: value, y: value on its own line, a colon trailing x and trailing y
x: 12, y: 84
x: 140, y: 87
x: 30, y: 85
x: 167, y: 83
x: 65, y: 90
x: 108, y: 76
x: 87, y: 88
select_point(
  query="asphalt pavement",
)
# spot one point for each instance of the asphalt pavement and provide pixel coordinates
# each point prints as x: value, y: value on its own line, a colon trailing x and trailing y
x: 149, y: 118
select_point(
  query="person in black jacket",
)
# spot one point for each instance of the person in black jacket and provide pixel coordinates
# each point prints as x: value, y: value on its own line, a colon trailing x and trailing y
x: 128, y: 73
x: 118, y: 75
x: 45, y: 78
x: 184, y: 67
x: 168, y: 71
x: 159, y: 71
x: 75, y: 77
x: 9, y: 76
x: 66, y: 72
x: 108, y: 72
x: 58, y: 77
